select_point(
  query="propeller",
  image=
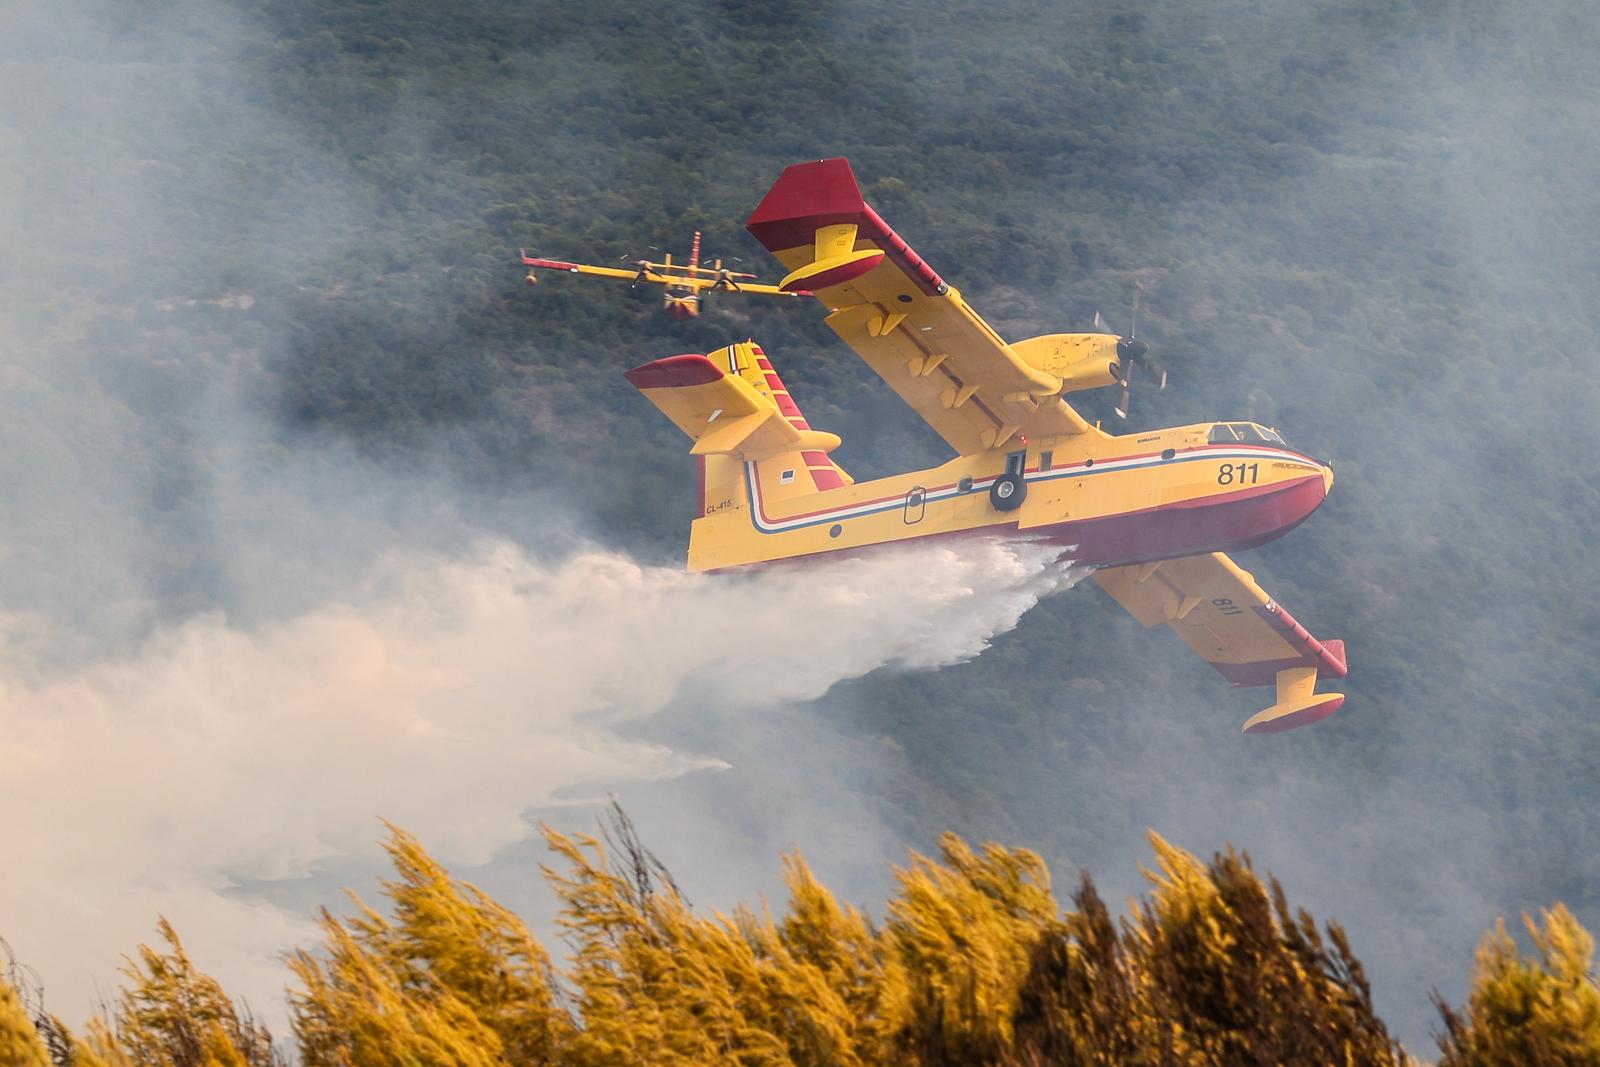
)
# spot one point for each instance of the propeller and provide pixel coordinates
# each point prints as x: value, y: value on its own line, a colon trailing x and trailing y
x: 644, y: 267
x: 1131, y: 353
x: 644, y: 273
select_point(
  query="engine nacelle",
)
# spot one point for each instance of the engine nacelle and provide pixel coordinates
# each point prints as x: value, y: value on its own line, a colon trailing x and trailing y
x: 1080, y: 360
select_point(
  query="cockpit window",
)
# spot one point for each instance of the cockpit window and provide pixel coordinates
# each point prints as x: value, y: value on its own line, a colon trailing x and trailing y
x: 1249, y: 432
x: 1227, y: 433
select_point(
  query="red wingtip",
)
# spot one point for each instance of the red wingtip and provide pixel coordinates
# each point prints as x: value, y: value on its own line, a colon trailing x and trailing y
x: 674, y: 372
x: 806, y: 196
x: 551, y: 264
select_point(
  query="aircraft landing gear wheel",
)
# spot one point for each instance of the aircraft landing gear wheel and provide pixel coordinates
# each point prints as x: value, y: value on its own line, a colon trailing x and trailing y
x: 1007, y: 492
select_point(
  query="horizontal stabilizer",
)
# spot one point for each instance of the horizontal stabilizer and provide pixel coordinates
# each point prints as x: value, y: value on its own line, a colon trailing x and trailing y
x: 722, y: 413
x: 725, y: 435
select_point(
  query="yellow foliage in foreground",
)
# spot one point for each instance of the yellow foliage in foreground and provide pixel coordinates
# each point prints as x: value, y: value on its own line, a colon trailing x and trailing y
x: 1529, y: 1010
x: 20, y: 1044
x: 975, y: 963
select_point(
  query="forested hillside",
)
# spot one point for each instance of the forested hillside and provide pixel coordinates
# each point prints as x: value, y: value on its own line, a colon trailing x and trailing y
x: 1372, y: 226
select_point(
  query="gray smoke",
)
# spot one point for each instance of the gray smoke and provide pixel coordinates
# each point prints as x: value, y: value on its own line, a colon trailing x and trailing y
x: 225, y: 649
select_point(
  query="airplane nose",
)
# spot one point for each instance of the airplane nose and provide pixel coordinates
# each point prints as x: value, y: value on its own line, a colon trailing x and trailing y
x: 1327, y: 478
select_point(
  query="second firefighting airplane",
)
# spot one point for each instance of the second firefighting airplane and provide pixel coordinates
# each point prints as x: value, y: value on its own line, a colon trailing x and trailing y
x: 683, y: 284
x: 1153, y: 512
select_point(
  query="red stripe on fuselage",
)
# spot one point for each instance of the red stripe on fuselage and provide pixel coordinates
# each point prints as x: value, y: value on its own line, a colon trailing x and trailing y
x: 1243, y: 519
x: 1057, y: 471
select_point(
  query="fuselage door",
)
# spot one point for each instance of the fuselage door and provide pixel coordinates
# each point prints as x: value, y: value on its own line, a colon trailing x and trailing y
x: 916, y: 504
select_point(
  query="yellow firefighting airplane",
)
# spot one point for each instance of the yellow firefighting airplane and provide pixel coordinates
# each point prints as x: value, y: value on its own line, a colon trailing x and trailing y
x: 1154, y: 512
x: 683, y: 282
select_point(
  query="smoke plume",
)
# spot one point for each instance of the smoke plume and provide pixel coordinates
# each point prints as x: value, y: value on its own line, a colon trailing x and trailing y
x: 448, y: 694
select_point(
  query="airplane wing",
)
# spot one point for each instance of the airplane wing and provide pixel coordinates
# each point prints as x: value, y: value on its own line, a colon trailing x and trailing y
x: 1226, y: 617
x: 746, y: 287
x: 911, y: 327
x: 655, y: 275
x: 604, y: 272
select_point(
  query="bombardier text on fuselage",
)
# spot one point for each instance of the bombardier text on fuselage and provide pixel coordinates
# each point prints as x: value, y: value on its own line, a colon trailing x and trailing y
x: 1154, y: 512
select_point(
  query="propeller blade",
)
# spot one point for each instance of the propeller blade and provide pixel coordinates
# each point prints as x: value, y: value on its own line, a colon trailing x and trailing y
x: 1100, y: 323
x: 1127, y: 387
x: 1131, y: 353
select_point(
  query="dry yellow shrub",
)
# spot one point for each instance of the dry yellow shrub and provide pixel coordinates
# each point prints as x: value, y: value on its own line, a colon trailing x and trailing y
x: 454, y: 978
x: 358, y: 1010
x: 851, y: 960
x: 20, y: 1045
x: 963, y: 929
x: 656, y: 984
x: 174, y: 1014
x: 974, y: 964
x: 1541, y: 1010
x: 99, y: 1048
